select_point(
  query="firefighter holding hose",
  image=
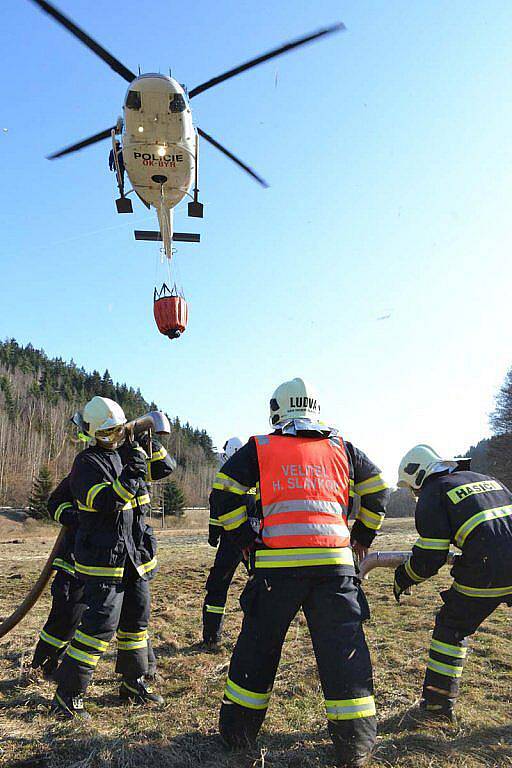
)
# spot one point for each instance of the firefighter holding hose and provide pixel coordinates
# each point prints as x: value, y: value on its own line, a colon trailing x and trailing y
x: 108, y: 482
x: 473, y: 512
x: 305, y: 476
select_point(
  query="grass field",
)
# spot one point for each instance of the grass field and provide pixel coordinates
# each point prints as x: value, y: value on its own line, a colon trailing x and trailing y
x: 184, y: 735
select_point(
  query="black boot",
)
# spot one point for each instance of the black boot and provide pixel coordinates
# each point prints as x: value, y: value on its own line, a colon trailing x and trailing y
x: 437, y: 711
x: 138, y: 692
x: 353, y: 740
x: 69, y: 705
x: 239, y: 726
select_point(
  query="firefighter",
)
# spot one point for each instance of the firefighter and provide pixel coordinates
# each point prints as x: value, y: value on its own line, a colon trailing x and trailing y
x: 473, y: 512
x: 120, y: 160
x: 108, y: 482
x: 227, y: 559
x: 68, y: 590
x: 305, y: 476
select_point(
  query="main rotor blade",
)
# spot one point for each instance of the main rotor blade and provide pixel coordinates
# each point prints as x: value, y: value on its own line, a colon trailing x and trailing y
x: 88, y: 41
x: 84, y: 143
x: 265, y: 57
x: 232, y: 157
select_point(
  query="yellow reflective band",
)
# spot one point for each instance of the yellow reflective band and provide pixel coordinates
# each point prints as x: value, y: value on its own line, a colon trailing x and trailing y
x: 350, y: 709
x: 480, y: 517
x: 482, y: 591
x: 51, y: 640
x: 369, y: 519
x: 214, y: 521
x: 122, y: 635
x: 63, y: 565
x: 444, y: 669
x: 92, y: 642
x: 456, y: 651
x: 60, y: 509
x: 438, y: 544
x: 146, y: 567
x: 295, y: 558
x: 93, y: 570
x: 216, y: 609
x: 93, y: 492
x: 234, y: 519
x: 131, y: 645
x: 86, y: 658
x: 158, y: 455
x: 246, y: 698
x: 225, y: 483
x: 462, y: 492
x: 351, y: 488
x: 138, y: 501
x: 121, y: 491
x: 412, y: 574
x: 84, y: 508
x: 371, y: 485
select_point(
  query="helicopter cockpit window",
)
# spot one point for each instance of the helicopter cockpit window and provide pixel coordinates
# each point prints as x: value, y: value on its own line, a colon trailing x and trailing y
x: 133, y: 100
x: 177, y: 103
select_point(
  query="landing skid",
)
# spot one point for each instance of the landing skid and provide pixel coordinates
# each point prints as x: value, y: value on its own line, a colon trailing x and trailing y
x: 155, y: 236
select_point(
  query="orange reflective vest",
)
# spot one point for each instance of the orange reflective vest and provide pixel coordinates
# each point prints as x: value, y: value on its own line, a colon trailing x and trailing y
x: 304, y: 487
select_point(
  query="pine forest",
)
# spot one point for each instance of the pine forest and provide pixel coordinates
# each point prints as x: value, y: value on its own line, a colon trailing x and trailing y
x: 38, y: 396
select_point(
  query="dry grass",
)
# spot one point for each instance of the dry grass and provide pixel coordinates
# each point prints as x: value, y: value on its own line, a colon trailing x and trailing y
x: 183, y: 735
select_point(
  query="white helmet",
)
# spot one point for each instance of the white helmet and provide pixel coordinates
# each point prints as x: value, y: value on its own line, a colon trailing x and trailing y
x: 418, y: 463
x: 231, y: 446
x: 104, y: 421
x: 293, y: 400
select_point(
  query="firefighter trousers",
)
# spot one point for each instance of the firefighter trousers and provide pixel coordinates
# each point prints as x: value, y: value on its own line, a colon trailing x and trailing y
x: 121, y: 608
x: 335, y: 607
x: 458, y: 618
x: 226, y: 562
x: 64, y: 617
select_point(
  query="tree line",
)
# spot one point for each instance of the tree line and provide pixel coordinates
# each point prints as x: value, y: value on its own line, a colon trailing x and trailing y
x: 490, y: 456
x: 38, y: 396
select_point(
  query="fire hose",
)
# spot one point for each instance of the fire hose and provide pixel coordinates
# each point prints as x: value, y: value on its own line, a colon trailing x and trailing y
x: 154, y: 421
x: 390, y: 560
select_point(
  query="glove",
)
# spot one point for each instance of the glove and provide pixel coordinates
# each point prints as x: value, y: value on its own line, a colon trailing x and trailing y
x: 397, y: 590
x: 213, y: 541
x: 136, y: 465
x: 400, y: 585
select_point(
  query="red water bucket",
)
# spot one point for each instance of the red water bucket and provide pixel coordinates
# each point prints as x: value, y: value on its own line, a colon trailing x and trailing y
x: 171, y: 315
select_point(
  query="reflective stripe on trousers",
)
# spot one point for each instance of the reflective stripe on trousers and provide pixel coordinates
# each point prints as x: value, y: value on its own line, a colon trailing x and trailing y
x: 246, y: 698
x: 350, y: 709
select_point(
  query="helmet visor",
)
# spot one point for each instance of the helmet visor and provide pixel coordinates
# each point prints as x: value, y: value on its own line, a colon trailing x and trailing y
x: 111, y: 437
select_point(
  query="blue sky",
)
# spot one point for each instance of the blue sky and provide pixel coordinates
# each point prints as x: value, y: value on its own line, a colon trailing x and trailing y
x: 389, y: 157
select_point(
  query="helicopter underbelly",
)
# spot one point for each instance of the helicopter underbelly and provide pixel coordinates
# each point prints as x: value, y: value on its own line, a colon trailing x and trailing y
x: 150, y: 169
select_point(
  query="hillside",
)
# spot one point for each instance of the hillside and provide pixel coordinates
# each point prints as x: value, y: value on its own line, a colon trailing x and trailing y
x: 38, y: 396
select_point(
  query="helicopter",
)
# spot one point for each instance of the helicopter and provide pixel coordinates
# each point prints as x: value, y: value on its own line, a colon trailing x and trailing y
x: 160, y: 145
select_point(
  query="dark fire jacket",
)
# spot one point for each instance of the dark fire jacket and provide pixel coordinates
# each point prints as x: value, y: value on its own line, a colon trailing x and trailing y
x: 474, y: 513
x: 112, y: 512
